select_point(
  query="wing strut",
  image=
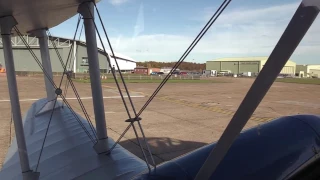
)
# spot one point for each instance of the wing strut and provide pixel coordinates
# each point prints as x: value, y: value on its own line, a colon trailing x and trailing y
x: 7, y: 23
x: 295, y: 31
x: 94, y: 70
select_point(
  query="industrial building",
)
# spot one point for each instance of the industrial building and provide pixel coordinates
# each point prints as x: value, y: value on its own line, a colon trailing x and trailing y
x: 308, y: 71
x: 78, y: 62
x: 240, y: 65
x: 166, y: 70
x: 145, y: 70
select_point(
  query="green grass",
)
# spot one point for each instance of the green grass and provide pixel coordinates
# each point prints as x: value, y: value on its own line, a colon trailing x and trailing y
x: 300, y: 80
x: 153, y: 81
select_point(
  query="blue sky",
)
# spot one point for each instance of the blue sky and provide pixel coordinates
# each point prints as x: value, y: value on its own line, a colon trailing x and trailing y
x: 161, y: 30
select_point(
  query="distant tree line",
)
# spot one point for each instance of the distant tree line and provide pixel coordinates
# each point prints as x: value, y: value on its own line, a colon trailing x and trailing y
x: 187, y: 66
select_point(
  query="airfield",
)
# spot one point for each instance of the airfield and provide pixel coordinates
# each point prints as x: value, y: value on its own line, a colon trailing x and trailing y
x: 182, y: 117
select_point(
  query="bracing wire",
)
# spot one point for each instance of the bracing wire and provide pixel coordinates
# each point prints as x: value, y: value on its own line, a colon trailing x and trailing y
x: 150, y: 99
x: 35, y: 57
x: 78, y: 119
x: 50, y: 79
x: 47, y: 130
x: 82, y: 105
x: 186, y: 53
x: 113, y: 72
x: 71, y: 49
x: 77, y: 96
x: 10, y: 129
x: 72, y: 62
x: 114, y: 57
x: 70, y: 80
x: 193, y: 44
x: 126, y: 89
x: 66, y: 88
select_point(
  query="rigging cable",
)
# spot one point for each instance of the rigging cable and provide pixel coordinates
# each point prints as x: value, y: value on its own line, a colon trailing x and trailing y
x: 114, y: 57
x: 78, y: 119
x: 58, y: 54
x: 51, y: 80
x: 70, y: 80
x: 186, y: 53
x: 35, y: 57
x: 78, y: 97
x: 57, y: 96
x: 67, y: 82
x: 113, y: 72
x: 54, y: 85
x: 71, y: 62
x: 10, y: 128
x: 127, y: 91
x: 82, y: 105
x: 197, y: 39
x: 47, y: 130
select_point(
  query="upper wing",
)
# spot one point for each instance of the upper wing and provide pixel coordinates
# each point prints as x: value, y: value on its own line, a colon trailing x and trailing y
x: 37, y: 14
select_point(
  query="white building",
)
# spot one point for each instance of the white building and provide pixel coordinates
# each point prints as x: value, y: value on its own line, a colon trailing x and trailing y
x: 166, y: 70
x: 78, y: 59
x: 126, y: 64
x: 308, y: 70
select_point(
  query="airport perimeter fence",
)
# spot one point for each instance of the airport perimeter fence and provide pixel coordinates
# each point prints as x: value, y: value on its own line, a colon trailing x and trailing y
x: 126, y: 76
x: 141, y: 77
x: 35, y: 73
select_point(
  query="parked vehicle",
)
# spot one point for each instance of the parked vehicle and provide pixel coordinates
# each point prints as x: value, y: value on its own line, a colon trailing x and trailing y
x: 176, y: 72
x: 209, y: 72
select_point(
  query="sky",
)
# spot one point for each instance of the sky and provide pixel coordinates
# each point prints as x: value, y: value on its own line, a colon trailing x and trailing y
x: 161, y: 30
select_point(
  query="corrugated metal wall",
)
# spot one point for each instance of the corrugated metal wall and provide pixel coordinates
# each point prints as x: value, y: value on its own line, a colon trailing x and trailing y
x: 301, y: 68
x: 287, y: 70
x: 82, y: 54
x: 235, y: 67
x: 213, y: 65
x: 232, y: 66
x: 249, y: 66
x: 24, y: 61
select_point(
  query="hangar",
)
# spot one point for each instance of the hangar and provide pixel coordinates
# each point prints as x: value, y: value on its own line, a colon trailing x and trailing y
x: 239, y: 65
x: 24, y: 62
x: 308, y: 70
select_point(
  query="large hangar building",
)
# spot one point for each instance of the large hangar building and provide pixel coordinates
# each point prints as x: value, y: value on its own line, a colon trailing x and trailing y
x: 78, y: 63
x: 310, y: 70
x: 239, y: 65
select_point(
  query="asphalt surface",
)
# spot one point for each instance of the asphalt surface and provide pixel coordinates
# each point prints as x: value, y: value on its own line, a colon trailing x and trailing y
x: 183, y: 117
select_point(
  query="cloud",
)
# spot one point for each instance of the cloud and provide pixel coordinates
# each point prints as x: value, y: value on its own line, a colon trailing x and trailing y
x: 139, y: 27
x: 118, y: 2
x: 249, y: 16
x: 240, y: 32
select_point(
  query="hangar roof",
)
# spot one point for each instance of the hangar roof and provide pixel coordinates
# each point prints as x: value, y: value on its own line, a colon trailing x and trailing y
x: 263, y: 59
x: 310, y: 65
x: 253, y: 58
x: 118, y: 55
